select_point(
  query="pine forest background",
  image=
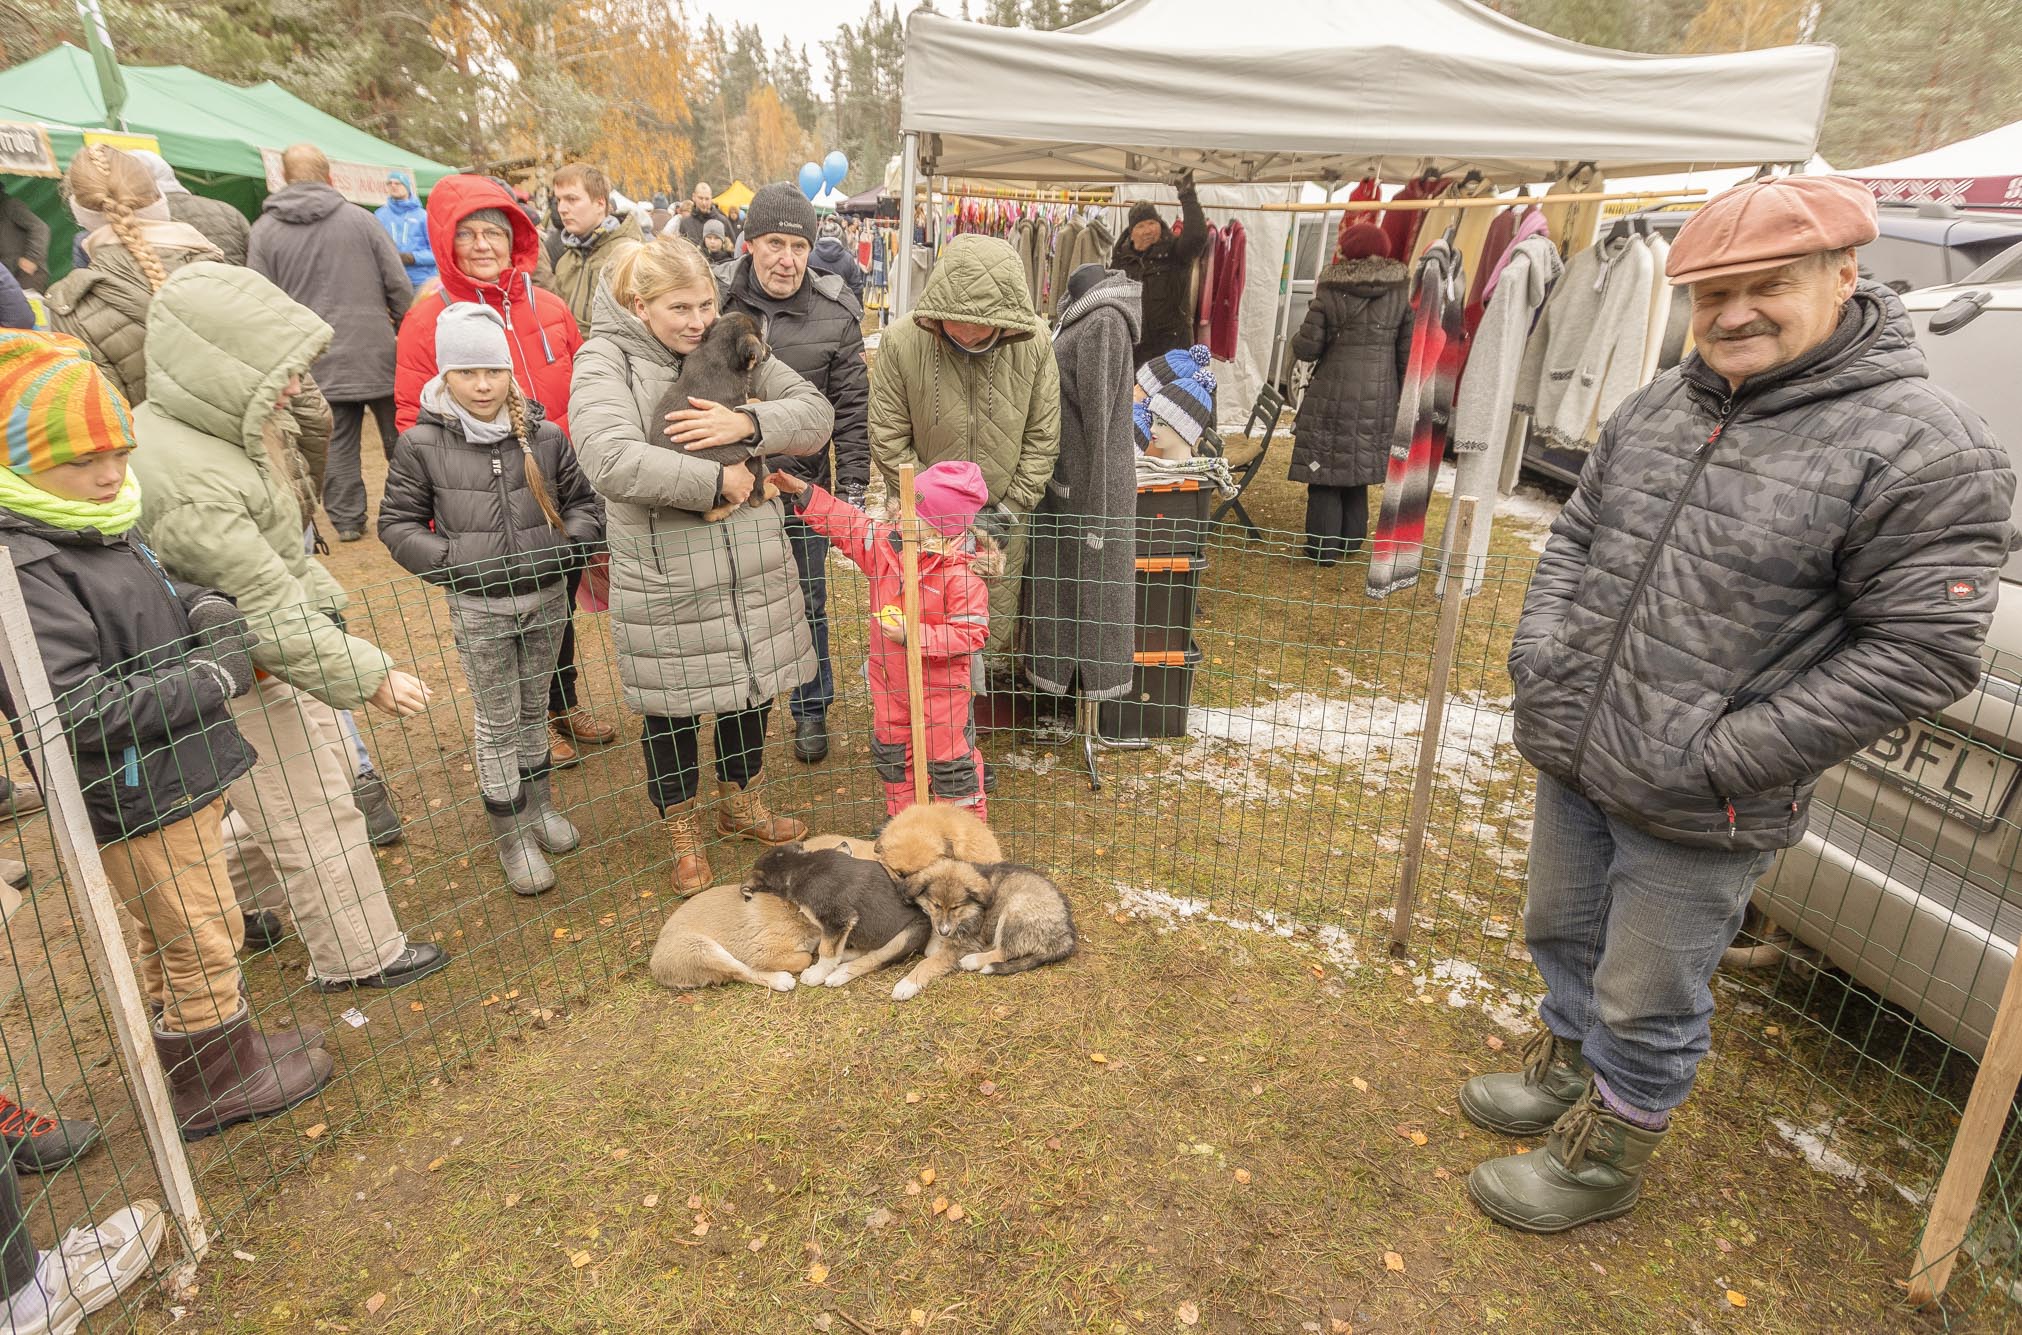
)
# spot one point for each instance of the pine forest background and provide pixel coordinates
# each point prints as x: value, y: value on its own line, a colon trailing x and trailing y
x: 661, y: 100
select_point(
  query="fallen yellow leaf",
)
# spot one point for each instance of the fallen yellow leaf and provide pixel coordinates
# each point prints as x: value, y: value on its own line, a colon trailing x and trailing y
x: 561, y: 933
x: 1392, y: 1261
x: 694, y: 1202
x: 1098, y: 1058
x: 579, y: 1260
x: 436, y: 1163
x: 1418, y: 1137
x: 956, y: 1212
x: 491, y: 1000
x: 817, y: 1273
x: 316, y: 1131
x: 926, y: 1177
x: 1737, y: 1298
x: 912, y: 1188
x: 912, y: 1096
x: 1361, y: 1085
x: 651, y: 1200
x: 374, y: 1303
x: 645, y: 894
x: 1189, y: 1313
x: 1336, y: 1326
x: 416, y: 1006
x: 1243, y: 1176
x: 512, y: 994
x: 757, y: 1244
x: 940, y: 1204
x: 701, y: 1228
x: 512, y: 1199
x: 918, y: 1316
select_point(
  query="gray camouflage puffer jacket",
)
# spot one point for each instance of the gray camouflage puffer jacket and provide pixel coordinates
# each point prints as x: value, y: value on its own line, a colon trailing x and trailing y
x: 1747, y: 589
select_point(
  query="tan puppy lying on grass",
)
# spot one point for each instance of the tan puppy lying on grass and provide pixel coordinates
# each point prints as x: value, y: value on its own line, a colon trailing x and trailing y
x: 719, y: 936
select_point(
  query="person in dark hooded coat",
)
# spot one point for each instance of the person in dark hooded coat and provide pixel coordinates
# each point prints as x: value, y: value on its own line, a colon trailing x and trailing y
x: 1358, y: 334
x: 1083, y: 568
x: 1163, y: 263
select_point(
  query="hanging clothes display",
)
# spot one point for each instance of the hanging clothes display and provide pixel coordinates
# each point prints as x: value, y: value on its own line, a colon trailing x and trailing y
x: 1586, y: 354
x: 1366, y: 191
x: 1424, y: 418
x: 1402, y: 225
x: 1660, y: 307
x: 1573, y: 224
x: 1225, y: 290
x: 1469, y: 227
x: 1496, y: 248
x: 1482, y: 427
x: 1204, y: 277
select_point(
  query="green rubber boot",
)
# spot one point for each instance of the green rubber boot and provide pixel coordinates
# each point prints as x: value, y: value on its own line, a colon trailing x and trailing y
x: 1590, y: 1169
x: 1527, y: 1102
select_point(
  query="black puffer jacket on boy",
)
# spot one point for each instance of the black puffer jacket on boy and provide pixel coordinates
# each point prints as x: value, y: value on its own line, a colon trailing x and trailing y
x: 149, y: 719
x: 461, y: 515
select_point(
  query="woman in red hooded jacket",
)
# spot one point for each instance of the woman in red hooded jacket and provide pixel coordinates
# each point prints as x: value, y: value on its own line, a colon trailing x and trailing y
x: 486, y: 249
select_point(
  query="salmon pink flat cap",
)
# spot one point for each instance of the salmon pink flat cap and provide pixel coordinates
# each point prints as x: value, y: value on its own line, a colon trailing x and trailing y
x: 1768, y: 224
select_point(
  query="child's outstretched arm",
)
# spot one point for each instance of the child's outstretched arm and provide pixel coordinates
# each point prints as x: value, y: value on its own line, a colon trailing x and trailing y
x: 850, y: 529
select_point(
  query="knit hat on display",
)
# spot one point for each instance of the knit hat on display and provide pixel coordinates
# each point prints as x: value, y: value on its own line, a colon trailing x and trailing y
x: 779, y: 208
x: 949, y: 494
x: 1363, y: 241
x: 1187, y: 406
x: 56, y: 406
x: 1768, y: 224
x: 1140, y: 425
x: 1179, y: 364
x: 471, y: 336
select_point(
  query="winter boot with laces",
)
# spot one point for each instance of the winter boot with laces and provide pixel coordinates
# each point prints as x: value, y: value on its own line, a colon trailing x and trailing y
x: 691, y: 868
x: 1590, y: 1168
x: 552, y: 829
x: 1527, y: 1102
x: 519, y: 852
x: 743, y: 815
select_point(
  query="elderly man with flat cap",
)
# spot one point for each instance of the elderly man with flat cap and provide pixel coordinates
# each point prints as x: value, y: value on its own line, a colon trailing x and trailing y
x: 1777, y: 553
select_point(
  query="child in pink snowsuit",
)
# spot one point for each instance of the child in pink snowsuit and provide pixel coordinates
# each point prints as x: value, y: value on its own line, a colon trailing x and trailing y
x: 954, y: 622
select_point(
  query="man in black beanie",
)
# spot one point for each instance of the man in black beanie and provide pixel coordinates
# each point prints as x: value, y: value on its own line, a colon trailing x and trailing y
x: 1164, y: 263
x: 815, y: 326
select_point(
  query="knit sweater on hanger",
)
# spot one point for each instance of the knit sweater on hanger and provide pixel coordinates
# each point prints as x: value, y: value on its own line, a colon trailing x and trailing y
x: 1586, y: 355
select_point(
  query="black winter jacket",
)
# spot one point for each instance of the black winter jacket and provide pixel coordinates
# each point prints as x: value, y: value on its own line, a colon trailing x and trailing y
x: 462, y: 516
x: 819, y: 333
x: 1358, y: 334
x: 1749, y: 587
x: 150, y: 730
x: 1166, y: 271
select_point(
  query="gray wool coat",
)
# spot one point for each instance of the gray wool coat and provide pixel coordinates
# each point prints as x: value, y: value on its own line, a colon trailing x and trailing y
x: 335, y: 258
x: 1749, y: 587
x: 1082, y: 603
x: 1357, y: 333
x: 707, y: 617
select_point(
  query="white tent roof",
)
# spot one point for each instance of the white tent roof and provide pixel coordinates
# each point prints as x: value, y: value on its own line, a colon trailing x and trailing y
x: 1290, y: 89
x: 1985, y: 170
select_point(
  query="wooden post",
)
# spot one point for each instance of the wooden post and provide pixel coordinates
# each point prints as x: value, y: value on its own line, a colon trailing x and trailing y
x: 1972, y: 1149
x: 1443, y: 646
x: 96, y: 912
x: 916, y: 682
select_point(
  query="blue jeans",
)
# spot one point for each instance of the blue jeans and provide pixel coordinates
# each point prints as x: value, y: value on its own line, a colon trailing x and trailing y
x: 812, y: 697
x: 1627, y: 929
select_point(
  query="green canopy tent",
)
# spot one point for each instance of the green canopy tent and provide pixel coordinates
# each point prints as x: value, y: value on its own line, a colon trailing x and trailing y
x: 216, y: 135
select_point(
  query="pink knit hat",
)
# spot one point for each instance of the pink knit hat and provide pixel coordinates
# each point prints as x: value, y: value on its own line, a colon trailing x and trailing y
x: 1768, y: 224
x: 949, y: 494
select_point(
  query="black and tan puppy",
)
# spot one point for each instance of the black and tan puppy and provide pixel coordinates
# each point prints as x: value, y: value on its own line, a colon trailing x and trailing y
x: 720, y: 371
x: 995, y: 919
x: 865, y: 923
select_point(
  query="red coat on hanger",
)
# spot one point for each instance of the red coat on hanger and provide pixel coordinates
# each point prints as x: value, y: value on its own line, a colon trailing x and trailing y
x: 1231, y: 269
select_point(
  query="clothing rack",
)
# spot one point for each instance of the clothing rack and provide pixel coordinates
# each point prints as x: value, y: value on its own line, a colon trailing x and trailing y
x: 1470, y: 202
x: 1099, y: 197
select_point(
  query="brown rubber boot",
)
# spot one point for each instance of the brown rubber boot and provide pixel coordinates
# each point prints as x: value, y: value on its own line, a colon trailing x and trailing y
x: 743, y: 816
x: 223, y: 1076
x: 691, y: 868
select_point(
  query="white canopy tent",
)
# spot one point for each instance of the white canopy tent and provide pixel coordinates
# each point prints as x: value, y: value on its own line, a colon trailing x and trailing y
x: 1982, y: 172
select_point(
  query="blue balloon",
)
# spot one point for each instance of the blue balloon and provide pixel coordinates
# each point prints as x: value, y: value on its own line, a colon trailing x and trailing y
x: 810, y: 179
x: 834, y: 167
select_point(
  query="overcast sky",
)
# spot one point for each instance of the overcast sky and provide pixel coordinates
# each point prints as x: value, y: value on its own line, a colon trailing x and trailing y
x: 806, y: 23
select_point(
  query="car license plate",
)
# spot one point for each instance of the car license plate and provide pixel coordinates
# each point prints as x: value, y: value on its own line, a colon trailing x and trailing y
x: 1962, y: 777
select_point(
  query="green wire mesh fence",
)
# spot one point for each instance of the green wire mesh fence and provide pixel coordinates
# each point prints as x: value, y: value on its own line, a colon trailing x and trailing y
x: 1282, y: 712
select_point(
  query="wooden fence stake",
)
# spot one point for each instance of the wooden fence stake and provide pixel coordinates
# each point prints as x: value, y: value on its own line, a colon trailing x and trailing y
x: 916, y: 682
x: 1972, y: 1149
x: 1443, y: 647
x: 97, y: 914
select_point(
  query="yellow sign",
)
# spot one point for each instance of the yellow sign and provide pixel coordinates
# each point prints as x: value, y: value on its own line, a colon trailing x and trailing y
x: 25, y: 150
x: 123, y: 141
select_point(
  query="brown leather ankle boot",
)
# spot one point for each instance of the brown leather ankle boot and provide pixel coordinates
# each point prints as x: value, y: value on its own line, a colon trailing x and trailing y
x: 691, y: 868
x: 743, y: 815
x: 222, y: 1076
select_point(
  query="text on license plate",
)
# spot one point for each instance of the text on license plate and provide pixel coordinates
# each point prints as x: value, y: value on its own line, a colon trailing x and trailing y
x: 1949, y: 772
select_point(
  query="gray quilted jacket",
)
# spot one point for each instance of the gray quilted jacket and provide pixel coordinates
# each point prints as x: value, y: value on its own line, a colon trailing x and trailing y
x: 707, y: 617
x: 1747, y: 589
x: 1358, y: 334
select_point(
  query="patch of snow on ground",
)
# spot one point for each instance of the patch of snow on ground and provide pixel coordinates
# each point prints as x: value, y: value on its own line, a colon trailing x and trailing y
x: 1528, y: 508
x: 1168, y: 911
x: 1465, y: 985
x: 1815, y: 1144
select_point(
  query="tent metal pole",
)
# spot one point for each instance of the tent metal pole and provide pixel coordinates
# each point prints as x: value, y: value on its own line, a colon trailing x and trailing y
x: 909, y: 189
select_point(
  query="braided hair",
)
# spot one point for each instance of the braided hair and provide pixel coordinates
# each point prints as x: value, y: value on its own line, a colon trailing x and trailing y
x: 118, y: 185
x: 516, y: 405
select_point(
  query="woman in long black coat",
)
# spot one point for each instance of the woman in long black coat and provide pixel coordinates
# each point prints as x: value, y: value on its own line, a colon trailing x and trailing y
x: 1358, y: 334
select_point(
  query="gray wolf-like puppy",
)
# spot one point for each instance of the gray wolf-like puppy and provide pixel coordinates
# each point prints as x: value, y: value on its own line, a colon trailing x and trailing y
x: 923, y: 834
x: 996, y: 919
x: 720, y: 371
x: 726, y: 936
x: 864, y: 922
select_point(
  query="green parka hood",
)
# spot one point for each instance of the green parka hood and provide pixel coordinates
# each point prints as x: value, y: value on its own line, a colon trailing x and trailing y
x: 221, y: 343
x: 978, y: 280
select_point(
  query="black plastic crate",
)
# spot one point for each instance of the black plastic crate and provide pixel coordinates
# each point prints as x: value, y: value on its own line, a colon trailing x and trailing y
x: 1168, y: 593
x: 1161, y: 693
x: 1172, y: 518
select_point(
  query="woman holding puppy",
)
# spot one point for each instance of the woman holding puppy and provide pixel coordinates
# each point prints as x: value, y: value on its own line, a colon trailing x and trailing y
x: 707, y: 616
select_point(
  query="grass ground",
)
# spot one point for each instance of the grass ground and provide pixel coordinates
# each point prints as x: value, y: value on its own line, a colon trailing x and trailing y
x: 1231, y: 1112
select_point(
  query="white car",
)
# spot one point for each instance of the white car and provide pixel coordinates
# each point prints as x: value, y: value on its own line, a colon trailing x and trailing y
x: 1910, y: 878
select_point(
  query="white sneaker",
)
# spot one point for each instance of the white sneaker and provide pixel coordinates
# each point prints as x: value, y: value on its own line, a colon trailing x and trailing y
x: 90, y: 1268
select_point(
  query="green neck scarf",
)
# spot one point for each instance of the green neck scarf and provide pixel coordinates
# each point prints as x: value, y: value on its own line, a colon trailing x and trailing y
x: 111, y: 518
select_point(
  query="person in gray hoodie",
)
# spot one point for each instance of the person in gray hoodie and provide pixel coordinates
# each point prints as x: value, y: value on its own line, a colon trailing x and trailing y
x: 336, y: 259
x: 1779, y: 552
